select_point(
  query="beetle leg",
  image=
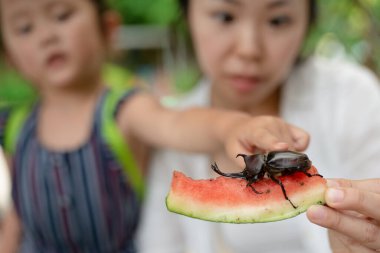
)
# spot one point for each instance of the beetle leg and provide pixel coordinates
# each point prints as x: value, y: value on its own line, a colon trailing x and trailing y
x: 253, y: 189
x: 311, y: 175
x: 278, y: 181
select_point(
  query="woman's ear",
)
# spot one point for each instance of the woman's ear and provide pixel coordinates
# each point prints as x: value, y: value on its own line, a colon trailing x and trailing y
x: 111, y: 23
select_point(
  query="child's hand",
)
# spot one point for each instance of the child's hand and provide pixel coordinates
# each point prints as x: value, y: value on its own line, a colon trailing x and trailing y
x: 353, y: 216
x: 261, y: 134
x: 208, y: 130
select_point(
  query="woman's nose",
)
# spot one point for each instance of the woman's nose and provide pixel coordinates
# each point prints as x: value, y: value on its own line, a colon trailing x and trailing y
x: 249, y: 43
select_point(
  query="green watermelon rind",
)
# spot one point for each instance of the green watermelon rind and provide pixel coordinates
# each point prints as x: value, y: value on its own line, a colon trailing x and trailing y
x: 242, y: 214
x: 269, y: 212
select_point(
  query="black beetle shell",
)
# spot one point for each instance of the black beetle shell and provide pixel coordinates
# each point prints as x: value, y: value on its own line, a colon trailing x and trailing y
x: 287, y: 161
x: 254, y: 164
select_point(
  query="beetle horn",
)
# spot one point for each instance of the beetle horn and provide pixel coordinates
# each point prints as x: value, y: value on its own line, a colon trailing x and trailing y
x: 234, y: 175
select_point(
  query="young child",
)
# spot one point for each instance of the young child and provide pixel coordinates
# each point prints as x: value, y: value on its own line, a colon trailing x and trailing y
x: 249, y: 55
x: 75, y: 185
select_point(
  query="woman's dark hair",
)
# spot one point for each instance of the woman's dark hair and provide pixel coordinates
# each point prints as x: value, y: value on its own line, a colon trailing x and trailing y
x: 184, y: 4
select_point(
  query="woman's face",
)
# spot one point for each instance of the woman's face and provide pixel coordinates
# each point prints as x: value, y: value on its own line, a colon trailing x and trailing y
x: 247, y: 47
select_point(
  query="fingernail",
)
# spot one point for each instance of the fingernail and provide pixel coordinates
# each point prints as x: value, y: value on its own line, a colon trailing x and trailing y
x: 282, y: 145
x: 332, y: 183
x: 317, y: 213
x: 335, y: 195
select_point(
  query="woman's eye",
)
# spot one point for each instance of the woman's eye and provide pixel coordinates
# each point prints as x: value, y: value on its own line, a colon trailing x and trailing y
x: 224, y: 17
x: 280, y: 21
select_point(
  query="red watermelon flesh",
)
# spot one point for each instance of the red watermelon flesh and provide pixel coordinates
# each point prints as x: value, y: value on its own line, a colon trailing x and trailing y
x: 230, y: 200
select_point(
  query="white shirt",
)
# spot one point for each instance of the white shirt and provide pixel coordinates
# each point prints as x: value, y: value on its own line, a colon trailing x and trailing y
x: 5, y: 199
x: 338, y: 103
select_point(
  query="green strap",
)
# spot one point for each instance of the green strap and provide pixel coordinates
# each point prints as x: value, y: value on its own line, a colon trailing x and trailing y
x: 13, y: 127
x: 116, y: 141
x: 110, y: 131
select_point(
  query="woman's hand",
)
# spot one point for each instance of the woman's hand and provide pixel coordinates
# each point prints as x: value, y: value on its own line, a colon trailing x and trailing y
x: 353, y: 215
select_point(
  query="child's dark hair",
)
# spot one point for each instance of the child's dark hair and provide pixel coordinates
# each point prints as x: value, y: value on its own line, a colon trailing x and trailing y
x: 184, y: 4
x: 100, y: 5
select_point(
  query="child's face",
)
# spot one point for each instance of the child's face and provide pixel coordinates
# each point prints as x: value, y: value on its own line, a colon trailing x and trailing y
x: 52, y: 42
x: 246, y: 47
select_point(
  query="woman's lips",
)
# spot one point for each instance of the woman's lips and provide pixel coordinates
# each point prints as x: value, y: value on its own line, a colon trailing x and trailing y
x: 243, y: 84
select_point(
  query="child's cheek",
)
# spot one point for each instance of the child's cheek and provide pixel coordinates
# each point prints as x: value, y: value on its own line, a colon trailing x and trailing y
x: 25, y: 60
x: 85, y: 40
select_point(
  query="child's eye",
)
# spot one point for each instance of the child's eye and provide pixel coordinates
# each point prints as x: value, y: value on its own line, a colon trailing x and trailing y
x: 280, y: 21
x: 24, y: 29
x: 61, y: 12
x: 63, y: 15
x: 224, y: 17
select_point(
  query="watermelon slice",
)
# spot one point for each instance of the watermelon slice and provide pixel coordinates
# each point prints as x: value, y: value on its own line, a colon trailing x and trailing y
x: 230, y: 200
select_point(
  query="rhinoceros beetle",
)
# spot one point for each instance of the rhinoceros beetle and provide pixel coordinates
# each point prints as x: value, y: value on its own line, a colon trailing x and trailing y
x: 273, y: 164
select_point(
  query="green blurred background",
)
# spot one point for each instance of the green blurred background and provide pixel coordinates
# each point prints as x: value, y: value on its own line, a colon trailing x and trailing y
x: 345, y: 29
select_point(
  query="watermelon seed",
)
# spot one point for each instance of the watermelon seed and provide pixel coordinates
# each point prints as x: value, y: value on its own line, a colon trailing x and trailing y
x: 302, y: 183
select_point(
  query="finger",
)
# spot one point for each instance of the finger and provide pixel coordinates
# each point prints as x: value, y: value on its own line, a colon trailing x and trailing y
x: 364, y: 202
x: 353, y: 213
x: 236, y: 148
x: 283, y: 134
x: 280, y: 146
x: 361, y: 230
x: 343, y: 244
x: 267, y: 141
x: 253, y: 142
x: 301, y: 138
x: 372, y: 185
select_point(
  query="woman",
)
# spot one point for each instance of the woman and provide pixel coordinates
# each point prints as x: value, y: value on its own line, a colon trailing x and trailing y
x: 249, y: 53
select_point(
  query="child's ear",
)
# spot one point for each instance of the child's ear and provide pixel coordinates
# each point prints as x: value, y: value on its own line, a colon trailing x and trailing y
x: 111, y: 23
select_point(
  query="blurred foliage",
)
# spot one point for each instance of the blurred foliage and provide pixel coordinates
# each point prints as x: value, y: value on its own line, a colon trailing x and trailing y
x: 15, y: 90
x: 161, y: 12
x: 350, y: 27
x: 345, y: 28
